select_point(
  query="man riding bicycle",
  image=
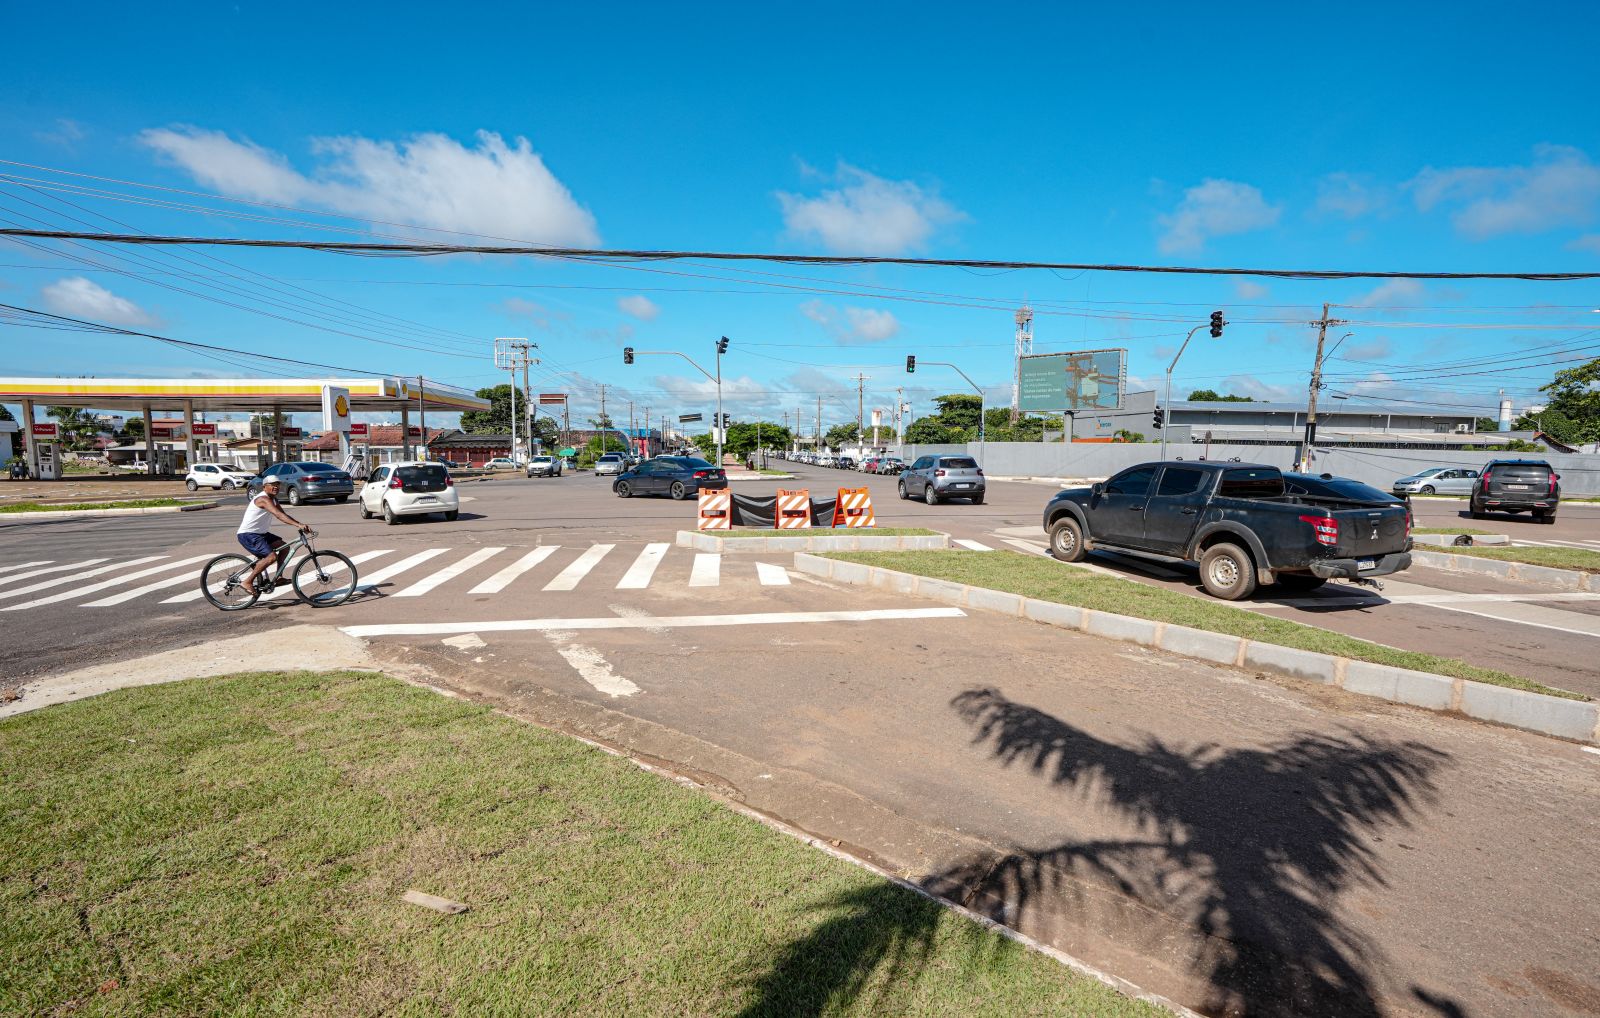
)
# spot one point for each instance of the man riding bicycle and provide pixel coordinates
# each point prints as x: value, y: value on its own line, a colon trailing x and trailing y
x: 255, y: 531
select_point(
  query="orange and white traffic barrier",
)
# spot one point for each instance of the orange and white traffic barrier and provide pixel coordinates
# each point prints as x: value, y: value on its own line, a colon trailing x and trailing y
x: 854, y: 508
x: 716, y: 509
x: 794, y: 509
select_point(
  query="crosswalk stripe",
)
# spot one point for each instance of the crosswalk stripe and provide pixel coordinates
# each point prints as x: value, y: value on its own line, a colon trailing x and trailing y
x: 448, y: 573
x: 973, y: 545
x: 772, y: 574
x: 50, y: 569
x: 396, y: 568
x: 67, y: 595
x: 707, y: 571
x: 638, y: 575
x: 569, y: 577
x: 277, y: 592
x: 499, y: 581
x: 128, y: 595
x: 75, y: 577
x: 24, y: 565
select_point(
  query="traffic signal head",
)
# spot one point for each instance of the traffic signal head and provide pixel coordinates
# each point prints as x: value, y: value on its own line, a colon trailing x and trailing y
x: 627, y: 355
x: 1216, y: 324
x: 911, y: 364
x: 1159, y: 418
x: 722, y: 345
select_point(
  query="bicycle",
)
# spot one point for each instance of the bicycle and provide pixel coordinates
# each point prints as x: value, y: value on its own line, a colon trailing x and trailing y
x: 318, y: 577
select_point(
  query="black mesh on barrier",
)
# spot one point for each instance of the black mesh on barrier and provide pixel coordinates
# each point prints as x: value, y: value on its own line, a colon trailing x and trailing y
x: 752, y: 511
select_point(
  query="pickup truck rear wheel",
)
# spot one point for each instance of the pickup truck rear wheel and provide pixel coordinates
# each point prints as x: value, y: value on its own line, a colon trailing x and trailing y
x: 1227, y: 572
x: 1066, y: 540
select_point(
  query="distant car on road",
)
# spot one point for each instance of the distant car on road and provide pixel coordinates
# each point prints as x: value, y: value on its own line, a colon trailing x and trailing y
x: 501, y: 463
x: 544, y: 466
x: 869, y: 465
x: 610, y: 463
x: 677, y: 476
x: 1438, y: 481
x: 411, y: 488
x: 308, y: 481
x: 1514, y: 486
x: 217, y: 475
x: 891, y: 465
x: 936, y: 478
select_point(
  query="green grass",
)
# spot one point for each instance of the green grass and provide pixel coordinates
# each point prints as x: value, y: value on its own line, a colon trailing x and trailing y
x: 131, y: 503
x: 829, y: 531
x: 1048, y: 580
x: 1556, y: 558
x: 239, y: 846
x: 1449, y: 530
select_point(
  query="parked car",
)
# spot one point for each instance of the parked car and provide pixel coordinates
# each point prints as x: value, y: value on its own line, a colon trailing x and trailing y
x: 308, y: 481
x: 501, y: 463
x: 610, y: 463
x: 936, y: 478
x: 677, y: 476
x: 1514, y: 486
x: 1244, y: 524
x: 217, y: 475
x: 544, y: 466
x: 1438, y: 481
x: 869, y: 466
x: 891, y: 465
x: 410, y: 488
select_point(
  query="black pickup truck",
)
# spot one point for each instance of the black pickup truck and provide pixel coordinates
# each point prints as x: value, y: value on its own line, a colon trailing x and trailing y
x: 1243, y: 523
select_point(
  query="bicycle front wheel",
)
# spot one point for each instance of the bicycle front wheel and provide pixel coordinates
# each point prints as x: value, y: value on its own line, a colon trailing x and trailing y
x: 325, y: 579
x: 223, y: 582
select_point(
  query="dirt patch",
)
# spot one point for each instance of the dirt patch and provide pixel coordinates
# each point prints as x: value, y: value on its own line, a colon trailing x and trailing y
x: 1570, y: 993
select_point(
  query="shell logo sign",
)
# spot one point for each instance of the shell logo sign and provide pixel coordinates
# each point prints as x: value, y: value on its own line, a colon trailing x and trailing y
x: 335, y: 409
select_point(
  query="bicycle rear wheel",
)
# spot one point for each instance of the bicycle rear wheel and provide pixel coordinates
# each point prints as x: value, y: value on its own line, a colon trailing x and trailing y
x: 222, y: 581
x: 325, y: 579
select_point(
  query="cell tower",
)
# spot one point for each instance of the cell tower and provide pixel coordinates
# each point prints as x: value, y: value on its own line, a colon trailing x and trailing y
x: 1024, y: 318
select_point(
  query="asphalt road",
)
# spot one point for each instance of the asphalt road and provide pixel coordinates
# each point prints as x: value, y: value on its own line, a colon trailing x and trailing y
x: 1240, y: 844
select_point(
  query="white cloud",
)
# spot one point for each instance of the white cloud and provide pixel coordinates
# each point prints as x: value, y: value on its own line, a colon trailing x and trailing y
x: 1560, y: 187
x: 866, y: 214
x: 1249, y: 385
x: 1348, y: 196
x: 1214, y: 208
x: 521, y: 307
x: 858, y: 325
x: 639, y: 306
x: 1392, y: 293
x: 65, y: 133
x: 1250, y: 291
x: 1368, y: 350
x: 427, y: 180
x: 77, y: 297
x: 1589, y: 242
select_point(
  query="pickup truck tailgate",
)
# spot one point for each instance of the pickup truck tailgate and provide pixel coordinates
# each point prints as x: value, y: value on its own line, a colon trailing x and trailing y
x: 1368, y: 533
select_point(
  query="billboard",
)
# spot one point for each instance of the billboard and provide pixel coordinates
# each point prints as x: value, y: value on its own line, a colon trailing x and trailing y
x: 552, y: 399
x: 1080, y: 380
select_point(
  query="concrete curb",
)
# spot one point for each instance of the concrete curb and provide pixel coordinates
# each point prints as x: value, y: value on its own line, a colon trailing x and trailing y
x: 67, y: 514
x: 1568, y: 579
x: 846, y: 540
x: 1444, y: 540
x: 761, y: 477
x: 1535, y: 712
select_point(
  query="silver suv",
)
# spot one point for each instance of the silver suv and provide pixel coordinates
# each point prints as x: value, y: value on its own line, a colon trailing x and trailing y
x: 610, y: 463
x: 936, y: 478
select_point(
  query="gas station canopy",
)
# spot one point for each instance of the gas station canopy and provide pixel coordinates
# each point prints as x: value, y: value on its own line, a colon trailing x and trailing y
x: 290, y: 395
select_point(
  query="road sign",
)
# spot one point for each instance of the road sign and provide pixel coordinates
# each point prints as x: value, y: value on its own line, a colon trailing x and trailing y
x: 552, y: 398
x: 51, y: 430
x: 202, y: 430
x: 1080, y: 380
x: 166, y: 431
x: 690, y: 418
x: 358, y: 429
x: 289, y: 432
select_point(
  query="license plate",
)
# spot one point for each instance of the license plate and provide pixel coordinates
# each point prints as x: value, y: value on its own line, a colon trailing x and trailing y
x: 1517, y: 487
x: 426, y: 498
x: 1363, y: 564
x: 963, y: 485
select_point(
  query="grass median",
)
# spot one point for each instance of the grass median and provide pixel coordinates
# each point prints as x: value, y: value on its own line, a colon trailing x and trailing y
x: 1049, y: 580
x: 132, y: 503
x: 239, y: 846
x: 1537, y: 555
x: 829, y: 532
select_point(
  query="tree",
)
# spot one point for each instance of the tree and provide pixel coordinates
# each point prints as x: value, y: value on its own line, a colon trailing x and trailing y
x: 133, y: 429
x: 928, y: 431
x: 1574, y: 395
x: 840, y: 435
x: 545, y: 430
x: 5, y: 413
x: 1487, y: 424
x: 1211, y: 396
x: 79, y: 429
x: 959, y: 410
x: 1124, y: 435
x: 742, y: 437
x: 497, y: 419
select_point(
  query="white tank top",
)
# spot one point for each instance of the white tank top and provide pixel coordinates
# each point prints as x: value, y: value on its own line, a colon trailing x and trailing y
x: 256, y: 519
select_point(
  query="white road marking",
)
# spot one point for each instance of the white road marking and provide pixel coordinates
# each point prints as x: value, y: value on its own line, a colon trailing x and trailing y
x: 499, y: 581
x: 1591, y: 749
x: 654, y: 621
x: 1028, y: 546
x: 50, y: 569
x: 24, y: 565
x: 707, y: 571
x: 466, y: 641
x: 591, y: 665
x: 277, y: 592
x: 75, y: 577
x: 103, y: 584
x: 448, y: 573
x: 772, y: 574
x: 1533, y: 615
x: 569, y: 577
x: 396, y: 568
x: 644, y: 567
x: 194, y: 577
x: 973, y: 545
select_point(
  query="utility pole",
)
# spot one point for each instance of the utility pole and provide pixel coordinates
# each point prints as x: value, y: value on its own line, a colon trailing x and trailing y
x: 1024, y: 319
x: 861, y: 395
x: 601, y: 422
x: 528, y: 406
x: 1316, y: 384
x: 647, y: 431
x: 819, y: 422
x: 422, y: 417
x: 512, y: 353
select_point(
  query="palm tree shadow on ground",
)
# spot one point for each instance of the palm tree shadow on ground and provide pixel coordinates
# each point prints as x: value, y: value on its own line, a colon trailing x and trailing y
x: 1244, y: 850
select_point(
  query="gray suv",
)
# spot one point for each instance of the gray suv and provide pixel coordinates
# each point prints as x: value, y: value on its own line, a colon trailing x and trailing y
x: 936, y: 478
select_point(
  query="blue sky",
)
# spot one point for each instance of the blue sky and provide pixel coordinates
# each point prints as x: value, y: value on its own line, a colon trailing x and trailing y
x: 1398, y: 139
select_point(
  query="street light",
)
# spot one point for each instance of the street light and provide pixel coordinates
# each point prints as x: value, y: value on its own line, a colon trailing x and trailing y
x: 629, y: 353
x: 911, y: 365
x: 1215, y: 325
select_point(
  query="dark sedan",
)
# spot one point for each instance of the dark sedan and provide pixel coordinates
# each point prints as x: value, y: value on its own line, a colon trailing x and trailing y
x: 677, y: 476
x: 307, y: 482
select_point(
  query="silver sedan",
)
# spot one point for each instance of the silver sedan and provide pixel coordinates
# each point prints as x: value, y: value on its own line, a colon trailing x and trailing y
x: 1438, y: 481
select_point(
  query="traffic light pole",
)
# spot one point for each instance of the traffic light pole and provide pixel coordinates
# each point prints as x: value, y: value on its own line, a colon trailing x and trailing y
x: 1166, y: 405
x: 982, y: 402
x: 716, y: 378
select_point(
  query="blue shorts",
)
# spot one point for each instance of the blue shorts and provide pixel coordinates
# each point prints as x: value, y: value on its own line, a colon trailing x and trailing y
x: 261, y: 545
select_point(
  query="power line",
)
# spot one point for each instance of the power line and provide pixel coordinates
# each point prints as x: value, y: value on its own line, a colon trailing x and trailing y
x: 612, y: 254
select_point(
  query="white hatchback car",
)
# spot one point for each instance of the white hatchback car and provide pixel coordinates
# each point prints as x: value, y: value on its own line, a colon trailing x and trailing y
x: 410, y: 488
x: 217, y: 475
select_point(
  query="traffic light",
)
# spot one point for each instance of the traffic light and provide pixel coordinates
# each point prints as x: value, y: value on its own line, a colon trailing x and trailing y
x: 726, y: 420
x: 722, y: 345
x: 627, y: 355
x: 1159, y: 418
x: 1216, y: 324
x: 911, y: 364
